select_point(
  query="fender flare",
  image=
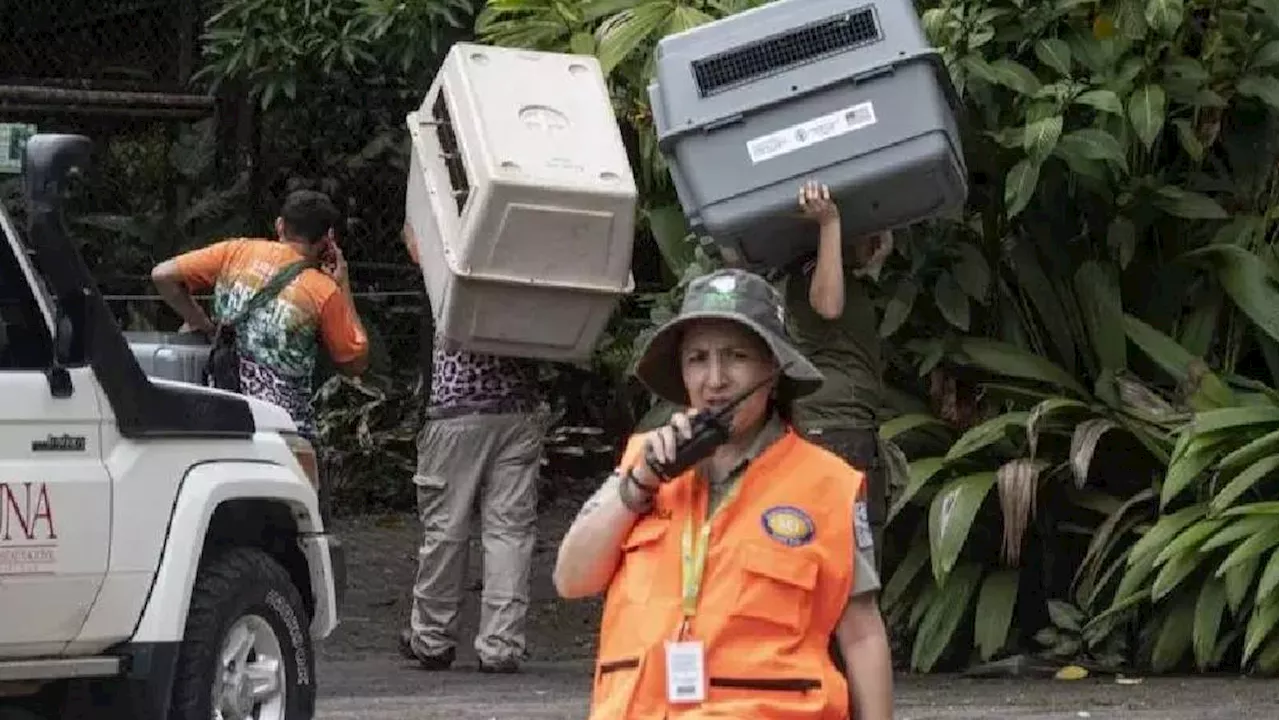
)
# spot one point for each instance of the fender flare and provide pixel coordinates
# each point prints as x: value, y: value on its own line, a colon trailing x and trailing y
x: 204, y: 487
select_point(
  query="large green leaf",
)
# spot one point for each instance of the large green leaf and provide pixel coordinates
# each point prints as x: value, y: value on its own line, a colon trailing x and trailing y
x: 1015, y: 76
x: 1247, y: 478
x: 971, y: 272
x: 1251, y: 451
x: 1056, y: 54
x: 1164, y: 16
x: 1261, y: 625
x: 1236, y: 419
x: 1041, y: 137
x: 1174, y: 359
x: 1204, y: 633
x: 950, y: 517
x: 984, y: 435
x: 1020, y: 186
x: 891, y: 429
x: 899, y: 307
x: 1247, y: 281
x: 1146, y: 113
x: 1109, y: 534
x: 1034, y: 281
x: 1098, y: 289
x: 994, y: 614
x: 671, y: 234
x: 1270, y: 577
x: 1163, y: 532
x: 910, y: 566
x: 1200, y: 452
x: 1004, y: 359
x: 625, y: 32
x: 942, y: 619
x: 1260, y: 87
x: 1239, y: 529
x: 1186, y: 204
x: 1247, y: 550
x: 1094, y: 144
x: 1190, y: 539
x: 1172, y: 574
x: 1174, y: 637
x: 1239, y: 580
x: 919, y: 473
x: 1103, y: 100
x: 951, y: 301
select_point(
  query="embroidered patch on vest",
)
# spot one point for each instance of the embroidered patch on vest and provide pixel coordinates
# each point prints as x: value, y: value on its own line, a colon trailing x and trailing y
x: 788, y: 525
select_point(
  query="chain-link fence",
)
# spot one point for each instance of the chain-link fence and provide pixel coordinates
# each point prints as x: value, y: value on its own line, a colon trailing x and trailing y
x: 176, y: 169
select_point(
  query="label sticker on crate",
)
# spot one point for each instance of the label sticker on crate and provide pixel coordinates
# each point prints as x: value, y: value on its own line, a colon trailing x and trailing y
x: 811, y: 132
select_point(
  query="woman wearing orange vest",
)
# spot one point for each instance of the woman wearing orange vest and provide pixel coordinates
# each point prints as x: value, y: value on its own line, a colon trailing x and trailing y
x: 724, y: 584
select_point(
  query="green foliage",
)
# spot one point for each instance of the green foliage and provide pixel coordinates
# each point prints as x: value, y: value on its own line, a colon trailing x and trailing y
x: 275, y: 47
x: 1129, y: 203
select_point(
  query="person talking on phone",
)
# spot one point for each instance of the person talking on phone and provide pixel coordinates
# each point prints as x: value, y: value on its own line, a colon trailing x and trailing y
x: 724, y: 581
x: 291, y: 314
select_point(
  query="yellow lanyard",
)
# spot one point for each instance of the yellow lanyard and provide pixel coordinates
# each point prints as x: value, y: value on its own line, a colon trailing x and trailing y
x: 693, y: 559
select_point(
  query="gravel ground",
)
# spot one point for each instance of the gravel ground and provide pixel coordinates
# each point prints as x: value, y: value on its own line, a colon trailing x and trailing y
x: 361, y: 676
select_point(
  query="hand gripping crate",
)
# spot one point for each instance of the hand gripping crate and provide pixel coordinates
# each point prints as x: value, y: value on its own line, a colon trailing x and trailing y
x: 748, y: 107
x: 522, y: 202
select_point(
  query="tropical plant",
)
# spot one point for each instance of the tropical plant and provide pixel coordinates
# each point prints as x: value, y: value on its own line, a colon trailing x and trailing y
x: 1123, y: 164
x: 274, y: 48
x: 1211, y: 554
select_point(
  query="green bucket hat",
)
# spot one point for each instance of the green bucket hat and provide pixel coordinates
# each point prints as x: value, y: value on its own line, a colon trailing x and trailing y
x: 731, y: 294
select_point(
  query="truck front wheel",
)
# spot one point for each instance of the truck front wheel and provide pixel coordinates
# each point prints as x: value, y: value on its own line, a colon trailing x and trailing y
x: 246, y: 654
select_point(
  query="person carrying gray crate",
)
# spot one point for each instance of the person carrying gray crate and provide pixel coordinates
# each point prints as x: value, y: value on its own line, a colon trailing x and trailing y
x: 834, y: 324
x: 482, y: 439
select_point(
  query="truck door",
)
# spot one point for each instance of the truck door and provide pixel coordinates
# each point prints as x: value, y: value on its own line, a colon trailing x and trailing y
x: 55, y: 493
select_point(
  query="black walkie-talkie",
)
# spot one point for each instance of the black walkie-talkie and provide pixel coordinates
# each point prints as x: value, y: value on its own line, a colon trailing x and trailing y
x: 709, y: 430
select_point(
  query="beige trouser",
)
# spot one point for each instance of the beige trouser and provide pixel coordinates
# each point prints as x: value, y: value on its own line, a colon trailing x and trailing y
x: 495, y: 458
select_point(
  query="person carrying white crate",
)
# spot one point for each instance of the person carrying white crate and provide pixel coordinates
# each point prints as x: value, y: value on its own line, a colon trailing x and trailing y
x: 482, y: 440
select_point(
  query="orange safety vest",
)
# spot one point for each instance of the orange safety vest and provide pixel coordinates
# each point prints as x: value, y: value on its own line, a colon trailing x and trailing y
x: 778, y: 574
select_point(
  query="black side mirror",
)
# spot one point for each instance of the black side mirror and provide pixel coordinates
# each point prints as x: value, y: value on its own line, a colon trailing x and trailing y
x: 48, y: 163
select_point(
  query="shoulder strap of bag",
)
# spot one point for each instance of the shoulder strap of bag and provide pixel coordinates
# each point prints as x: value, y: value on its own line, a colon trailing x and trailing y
x: 268, y: 291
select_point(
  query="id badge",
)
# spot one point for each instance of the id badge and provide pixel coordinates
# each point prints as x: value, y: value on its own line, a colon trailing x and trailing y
x: 686, y: 672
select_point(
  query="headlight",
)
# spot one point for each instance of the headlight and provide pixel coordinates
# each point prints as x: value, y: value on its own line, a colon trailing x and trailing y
x: 305, y: 454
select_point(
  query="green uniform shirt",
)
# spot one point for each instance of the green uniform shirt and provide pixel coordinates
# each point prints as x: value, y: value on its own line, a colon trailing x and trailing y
x: 846, y: 350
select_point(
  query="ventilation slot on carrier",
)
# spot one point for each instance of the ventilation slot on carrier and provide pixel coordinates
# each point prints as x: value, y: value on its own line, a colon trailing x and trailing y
x: 458, y: 181
x: 793, y: 48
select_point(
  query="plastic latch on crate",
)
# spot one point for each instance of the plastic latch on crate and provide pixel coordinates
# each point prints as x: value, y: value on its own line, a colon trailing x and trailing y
x: 723, y: 122
x: 873, y: 74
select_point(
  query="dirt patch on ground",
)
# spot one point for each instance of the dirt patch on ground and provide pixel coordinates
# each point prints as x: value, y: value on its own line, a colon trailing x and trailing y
x: 382, y: 558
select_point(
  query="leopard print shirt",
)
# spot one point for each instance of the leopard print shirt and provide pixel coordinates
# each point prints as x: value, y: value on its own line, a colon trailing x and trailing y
x: 260, y: 381
x: 461, y: 379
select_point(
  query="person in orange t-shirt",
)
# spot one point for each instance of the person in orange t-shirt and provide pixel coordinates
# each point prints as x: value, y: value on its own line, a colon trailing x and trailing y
x: 278, y: 343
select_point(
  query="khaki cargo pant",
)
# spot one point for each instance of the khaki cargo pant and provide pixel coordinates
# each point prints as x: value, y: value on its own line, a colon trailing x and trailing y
x: 493, y: 458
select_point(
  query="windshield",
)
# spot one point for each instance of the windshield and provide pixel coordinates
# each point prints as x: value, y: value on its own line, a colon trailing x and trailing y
x: 19, y: 248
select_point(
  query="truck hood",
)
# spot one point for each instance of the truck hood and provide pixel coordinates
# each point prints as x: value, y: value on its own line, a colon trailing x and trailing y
x: 266, y: 416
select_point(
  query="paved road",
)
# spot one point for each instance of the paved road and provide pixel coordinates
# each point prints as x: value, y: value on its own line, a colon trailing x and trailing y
x: 384, y: 688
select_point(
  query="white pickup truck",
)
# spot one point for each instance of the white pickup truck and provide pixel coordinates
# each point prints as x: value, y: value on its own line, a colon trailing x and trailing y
x: 162, y: 551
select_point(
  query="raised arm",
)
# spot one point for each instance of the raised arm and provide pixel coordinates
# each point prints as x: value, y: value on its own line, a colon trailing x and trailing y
x: 592, y: 548
x: 826, y: 289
